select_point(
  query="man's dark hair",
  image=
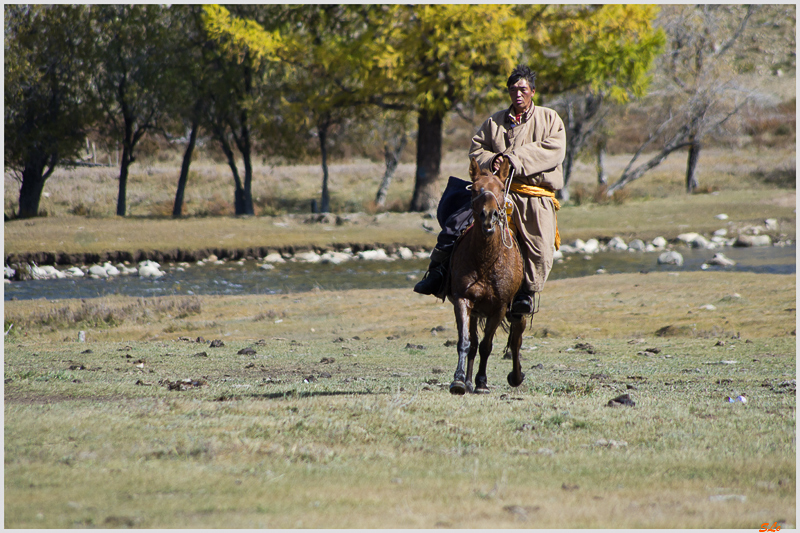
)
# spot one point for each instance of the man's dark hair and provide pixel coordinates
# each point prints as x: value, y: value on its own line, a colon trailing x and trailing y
x: 520, y: 72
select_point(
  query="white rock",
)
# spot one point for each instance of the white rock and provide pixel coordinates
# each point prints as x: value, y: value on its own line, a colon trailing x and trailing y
x: 578, y: 245
x: 52, y: 273
x: 566, y: 249
x: 659, y: 242
x: 267, y: 266
x: 211, y: 258
x: 617, y: 244
x: 753, y: 240
x: 74, y: 272
x: 557, y: 255
x: 637, y: 245
x: 374, y: 255
x: 695, y: 240
x: 274, y: 257
x: 111, y: 270
x: 335, y: 258
x: 721, y: 232
x: 771, y: 224
x: 722, y: 216
x: 405, y: 253
x: 124, y: 270
x: 592, y: 246
x: 96, y: 271
x: 308, y: 257
x: 708, y: 307
x: 148, y: 269
x: 670, y: 258
x: 148, y: 262
x: 721, y: 260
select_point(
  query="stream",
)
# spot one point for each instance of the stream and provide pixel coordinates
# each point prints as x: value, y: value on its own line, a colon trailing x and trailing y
x: 233, y: 278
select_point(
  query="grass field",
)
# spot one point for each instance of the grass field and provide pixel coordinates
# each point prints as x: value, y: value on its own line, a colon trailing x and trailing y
x: 331, y: 409
x: 336, y: 411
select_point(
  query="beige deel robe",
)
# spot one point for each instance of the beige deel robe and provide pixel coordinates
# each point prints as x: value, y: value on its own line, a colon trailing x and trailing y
x: 535, y: 148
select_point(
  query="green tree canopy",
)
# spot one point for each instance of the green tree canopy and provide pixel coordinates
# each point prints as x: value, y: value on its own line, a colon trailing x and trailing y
x: 48, y: 104
x: 589, y: 55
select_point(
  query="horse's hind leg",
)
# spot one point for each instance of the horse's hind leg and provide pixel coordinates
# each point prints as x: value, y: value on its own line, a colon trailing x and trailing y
x: 516, y: 377
x: 481, y: 382
x: 462, y: 311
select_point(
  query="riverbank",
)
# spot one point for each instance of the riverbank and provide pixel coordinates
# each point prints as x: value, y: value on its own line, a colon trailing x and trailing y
x: 74, y: 240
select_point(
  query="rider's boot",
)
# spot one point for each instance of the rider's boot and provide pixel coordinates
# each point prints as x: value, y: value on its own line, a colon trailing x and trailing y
x: 433, y: 281
x: 522, y: 304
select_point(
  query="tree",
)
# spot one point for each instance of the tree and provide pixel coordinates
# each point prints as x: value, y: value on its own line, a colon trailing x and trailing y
x: 135, y: 78
x: 589, y: 56
x: 48, y: 108
x: 189, y: 100
x: 441, y: 56
x: 242, y: 60
x: 699, y: 92
x: 325, y: 50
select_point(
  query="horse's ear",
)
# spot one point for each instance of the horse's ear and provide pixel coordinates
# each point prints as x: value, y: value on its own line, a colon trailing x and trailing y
x: 504, y: 168
x: 474, y: 169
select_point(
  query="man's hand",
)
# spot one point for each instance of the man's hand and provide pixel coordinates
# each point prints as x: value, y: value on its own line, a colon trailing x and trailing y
x: 496, y: 164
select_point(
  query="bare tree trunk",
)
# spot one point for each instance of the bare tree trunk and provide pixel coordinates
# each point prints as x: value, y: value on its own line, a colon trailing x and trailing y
x: 325, y: 205
x: 391, y: 155
x: 429, y: 160
x: 247, y: 195
x: 127, y: 159
x: 238, y: 193
x: 602, y: 175
x: 33, y: 177
x: 691, y: 166
x: 177, y: 208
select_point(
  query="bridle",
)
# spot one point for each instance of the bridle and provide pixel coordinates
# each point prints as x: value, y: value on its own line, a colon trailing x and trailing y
x: 504, y: 230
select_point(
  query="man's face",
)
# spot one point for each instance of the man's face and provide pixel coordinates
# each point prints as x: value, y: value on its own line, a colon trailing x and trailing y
x: 521, y: 95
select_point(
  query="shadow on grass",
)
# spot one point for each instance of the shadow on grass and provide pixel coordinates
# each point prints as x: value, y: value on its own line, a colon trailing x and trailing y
x: 293, y: 394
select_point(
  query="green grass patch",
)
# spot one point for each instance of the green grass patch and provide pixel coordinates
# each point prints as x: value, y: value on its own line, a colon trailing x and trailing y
x: 327, y: 420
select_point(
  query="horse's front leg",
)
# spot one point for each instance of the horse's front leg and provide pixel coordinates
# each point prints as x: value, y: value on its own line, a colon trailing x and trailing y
x: 481, y: 381
x: 473, y: 349
x: 516, y: 377
x: 462, y: 309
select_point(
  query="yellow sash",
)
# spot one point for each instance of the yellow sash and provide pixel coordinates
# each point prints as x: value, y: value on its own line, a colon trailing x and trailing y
x: 533, y: 190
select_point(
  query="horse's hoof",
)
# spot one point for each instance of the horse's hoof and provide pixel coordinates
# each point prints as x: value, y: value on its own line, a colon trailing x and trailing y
x: 458, y: 387
x: 482, y: 389
x: 512, y: 379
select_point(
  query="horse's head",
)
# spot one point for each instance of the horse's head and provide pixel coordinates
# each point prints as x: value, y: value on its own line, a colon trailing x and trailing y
x: 488, y: 199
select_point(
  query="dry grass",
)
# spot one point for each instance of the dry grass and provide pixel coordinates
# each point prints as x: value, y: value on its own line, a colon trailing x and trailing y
x: 336, y: 422
x: 655, y: 205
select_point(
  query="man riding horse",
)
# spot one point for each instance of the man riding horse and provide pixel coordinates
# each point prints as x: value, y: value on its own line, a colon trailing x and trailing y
x: 533, y: 140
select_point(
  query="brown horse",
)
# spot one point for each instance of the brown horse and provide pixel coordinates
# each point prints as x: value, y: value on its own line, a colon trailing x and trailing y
x: 486, y: 273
